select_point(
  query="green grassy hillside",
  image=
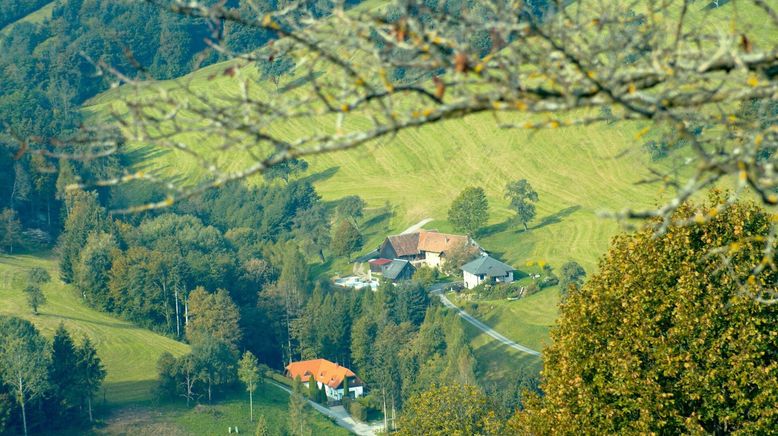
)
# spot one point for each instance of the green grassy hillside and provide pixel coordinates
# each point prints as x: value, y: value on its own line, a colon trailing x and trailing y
x: 129, y: 352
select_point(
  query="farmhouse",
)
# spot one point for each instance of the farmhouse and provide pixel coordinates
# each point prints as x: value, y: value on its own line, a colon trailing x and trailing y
x: 327, y: 374
x: 423, y: 247
x: 486, y: 268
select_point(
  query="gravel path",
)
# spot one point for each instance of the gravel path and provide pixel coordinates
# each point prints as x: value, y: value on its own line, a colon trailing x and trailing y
x: 438, y: 291
x: 417, y: 226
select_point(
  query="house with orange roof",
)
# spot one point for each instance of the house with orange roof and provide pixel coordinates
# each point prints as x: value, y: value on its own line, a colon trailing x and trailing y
x: 425, y: 247
x: 329, y: 375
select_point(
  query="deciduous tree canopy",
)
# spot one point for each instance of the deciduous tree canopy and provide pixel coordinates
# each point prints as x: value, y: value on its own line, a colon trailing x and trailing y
x: 664, y: 339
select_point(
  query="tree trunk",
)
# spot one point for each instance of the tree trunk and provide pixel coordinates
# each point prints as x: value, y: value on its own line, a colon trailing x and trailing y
x: 321, y: 255
x: 386, y: 416
x: 164, y: 298
x: 89, y: 406
x: 178, y: 315
x: 209, y: 390
x: 186, y: 311
x: 251, y: 406
x: 525, y: 226
x: 21, y: 401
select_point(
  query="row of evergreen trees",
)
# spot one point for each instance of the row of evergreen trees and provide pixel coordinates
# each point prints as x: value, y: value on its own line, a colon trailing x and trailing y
x: 45, y: 385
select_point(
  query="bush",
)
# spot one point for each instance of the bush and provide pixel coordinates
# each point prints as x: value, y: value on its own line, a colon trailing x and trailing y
x: 357, y: 410
x: 426, y: 275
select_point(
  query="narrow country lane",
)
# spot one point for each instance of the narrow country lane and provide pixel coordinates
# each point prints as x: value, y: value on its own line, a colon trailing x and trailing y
x: 438, y: 291
x: 339, y: 414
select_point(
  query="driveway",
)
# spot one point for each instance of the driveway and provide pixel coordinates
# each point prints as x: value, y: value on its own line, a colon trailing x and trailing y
x: 339, y: 415
x: 417, y: 226
x: 438, y: 291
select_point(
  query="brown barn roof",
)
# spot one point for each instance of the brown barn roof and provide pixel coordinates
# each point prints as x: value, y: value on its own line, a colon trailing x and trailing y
x: 405, y: 245
x: 322, y: 370
x: 440, y: 242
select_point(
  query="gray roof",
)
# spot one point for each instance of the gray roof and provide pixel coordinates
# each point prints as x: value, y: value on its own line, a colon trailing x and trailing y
x: 488, y: 266
x: 366, y: 257
x: 395, y: 268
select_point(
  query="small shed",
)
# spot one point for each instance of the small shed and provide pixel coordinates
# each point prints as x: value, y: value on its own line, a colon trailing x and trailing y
x: 377, y: 265
x: 398, y: 269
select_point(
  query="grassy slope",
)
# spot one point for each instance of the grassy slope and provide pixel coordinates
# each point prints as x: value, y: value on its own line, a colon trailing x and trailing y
x: 129, y: 353
x: 175, y: 419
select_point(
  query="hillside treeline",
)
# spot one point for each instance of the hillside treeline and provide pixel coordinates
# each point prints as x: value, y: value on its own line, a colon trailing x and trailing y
x: 46, y: 385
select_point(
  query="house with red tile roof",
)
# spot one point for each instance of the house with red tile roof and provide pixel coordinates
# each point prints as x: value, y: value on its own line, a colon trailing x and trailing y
x: 328, y: 375
x: 426, y: 247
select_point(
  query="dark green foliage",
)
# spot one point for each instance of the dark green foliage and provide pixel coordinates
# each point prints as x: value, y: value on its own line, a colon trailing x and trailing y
x: 85, y: 215
x: 571, y: 275
x: 89, y: 373
x: 351, y: 208
x: 346, y: 239
x: 35, y: 297
x: 275, y: 67
x: 38, y: 276
x: 216, y: 362
x: 522, y: 200
x: 312, y: 230
x: 426, y: 275
x: 286, y: 169
x: 469, y: 211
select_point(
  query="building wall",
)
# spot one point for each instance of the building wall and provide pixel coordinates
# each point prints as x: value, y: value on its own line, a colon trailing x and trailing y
x: 471, y: 280
x: 337, y: 394
x: 433, y: 259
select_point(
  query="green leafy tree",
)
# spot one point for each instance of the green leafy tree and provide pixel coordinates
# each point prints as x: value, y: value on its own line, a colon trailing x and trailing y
x: 248, y: 373
x: 450, y: 409
x: 213, y: 315
x: 664, y: 340
x: 312, y: 228
x: 24, y: 362
x: 469, y: 211
x: 10, y: 230
x: 571, y: 274
x: 85, y: 215
x: 38, y: 276
x: 216, y: 363
x: 351, y: 208
x: 35, y: 297
x: 286, y: 169
x: 346, y: 239
x: 274, y: 67
x: 522, y: 200
x: 89, y: 372
x: 313, y: 389
x: 91, y: 273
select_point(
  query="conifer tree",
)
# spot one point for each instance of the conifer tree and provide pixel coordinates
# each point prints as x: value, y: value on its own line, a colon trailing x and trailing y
x: 90, y: 372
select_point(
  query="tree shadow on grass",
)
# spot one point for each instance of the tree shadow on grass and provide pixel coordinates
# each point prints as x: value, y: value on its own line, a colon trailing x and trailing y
x: 117, y: 324
x: 142, y: 157
x: 557, y: 217
x: 321, y: 175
